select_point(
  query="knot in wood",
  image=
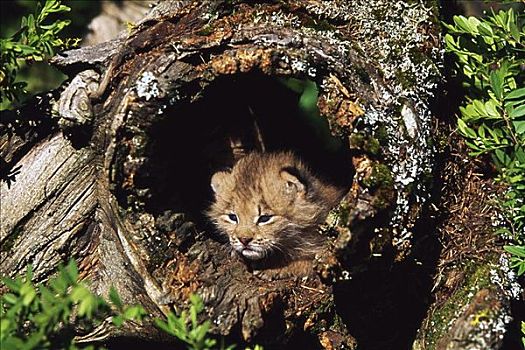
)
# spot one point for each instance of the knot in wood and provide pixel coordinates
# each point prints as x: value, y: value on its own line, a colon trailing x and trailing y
x: 74, y: 107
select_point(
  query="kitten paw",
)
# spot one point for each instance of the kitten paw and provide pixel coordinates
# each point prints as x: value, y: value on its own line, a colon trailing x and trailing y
x: 264, y: 275
x: 274, y: 274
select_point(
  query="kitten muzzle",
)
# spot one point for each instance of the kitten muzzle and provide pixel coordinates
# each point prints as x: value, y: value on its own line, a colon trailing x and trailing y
x: 249, y: 252
x: 252, y: 254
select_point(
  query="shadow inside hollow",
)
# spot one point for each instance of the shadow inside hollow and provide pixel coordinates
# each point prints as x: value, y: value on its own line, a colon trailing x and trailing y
x: 385, y: 308
x: 195, y: 139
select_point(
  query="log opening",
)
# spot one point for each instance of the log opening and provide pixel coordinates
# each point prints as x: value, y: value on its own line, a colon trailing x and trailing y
x: 233, y: 116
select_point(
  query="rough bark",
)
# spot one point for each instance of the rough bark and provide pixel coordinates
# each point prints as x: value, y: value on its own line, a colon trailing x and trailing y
x: 119, y: 176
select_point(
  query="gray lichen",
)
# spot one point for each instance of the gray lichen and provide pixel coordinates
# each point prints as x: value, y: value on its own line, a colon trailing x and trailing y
x: 399, y: 43
x: 147, y: 86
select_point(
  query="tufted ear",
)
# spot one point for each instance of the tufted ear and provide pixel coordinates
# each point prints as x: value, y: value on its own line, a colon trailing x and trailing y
x: 293, y: 181
x: 219, y: 181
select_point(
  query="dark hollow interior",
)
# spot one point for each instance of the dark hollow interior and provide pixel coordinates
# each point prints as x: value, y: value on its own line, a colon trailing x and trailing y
x: 193, y: 141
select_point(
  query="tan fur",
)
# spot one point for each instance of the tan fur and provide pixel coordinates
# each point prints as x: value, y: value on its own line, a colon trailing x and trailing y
x: 278, y: 185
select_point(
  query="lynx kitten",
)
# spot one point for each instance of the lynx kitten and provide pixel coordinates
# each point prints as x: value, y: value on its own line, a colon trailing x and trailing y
x: 270, y: 205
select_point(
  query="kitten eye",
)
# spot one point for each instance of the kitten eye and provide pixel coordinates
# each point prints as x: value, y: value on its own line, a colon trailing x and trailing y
x: 264, y: 219
x: 233, y: 218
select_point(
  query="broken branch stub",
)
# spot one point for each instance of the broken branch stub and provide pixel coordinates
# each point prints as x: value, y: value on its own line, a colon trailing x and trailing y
x: 177, y: 96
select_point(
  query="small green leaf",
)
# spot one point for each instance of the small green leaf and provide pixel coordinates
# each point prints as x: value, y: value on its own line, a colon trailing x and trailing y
x: 5, y: 325
x: 479, y: 106
x: 519, y: 126
x: 10, y: 298
x: 519, y: 153
x: 502, y: 157
x: 516, y: 94
x: 517, y: 112
x: 514, y: 31
x: 473, y: 24
x: 117, y: 320
x: 469, y: 112
x: 88, y: 305
x: 449, y: 27
x: 521, y: 270
x: 515, y: 250
x: 491, y: 109
x: 79, y: 293
x: 465, y: 130
x: 485, y: 29
x: 481, y: 131
x: 196, y: 301
x: 133, y: 313
x: 115, y: 298
x: 164, y: 326
x: 510, y: 105
x: 28, y: 293
x: 496, y: 82
x: 464, y: 24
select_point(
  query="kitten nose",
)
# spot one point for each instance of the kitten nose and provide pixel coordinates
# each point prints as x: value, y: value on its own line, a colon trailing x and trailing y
x: 245, y: 240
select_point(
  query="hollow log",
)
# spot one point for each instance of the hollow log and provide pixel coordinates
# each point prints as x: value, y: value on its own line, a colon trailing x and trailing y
x: 113, y: 169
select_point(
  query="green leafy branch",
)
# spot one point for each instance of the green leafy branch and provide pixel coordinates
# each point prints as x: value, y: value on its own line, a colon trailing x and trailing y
x: 490, y: 56
x: 196, y: 335
x: 45, y: 316
x: 35, y: 41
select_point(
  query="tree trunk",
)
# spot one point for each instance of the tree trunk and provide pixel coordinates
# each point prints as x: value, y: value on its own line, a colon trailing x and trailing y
x: 117, y: 177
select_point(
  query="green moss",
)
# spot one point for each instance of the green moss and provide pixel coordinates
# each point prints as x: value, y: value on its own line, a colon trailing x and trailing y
x: 372, y: 146
x: 327, y: 318
x: 476, y: 278
x: 441, y: 141
x: 343, y: 213
x: 379, y: 177
x: 381, y: 135
x: 337, y: 322
x: 430, y: 141
x: 357, y: 140
x: 418, y: 57
x: 381, y: 185
x: 364, y: 142
x: 406, y: 80
x: 320, y: 323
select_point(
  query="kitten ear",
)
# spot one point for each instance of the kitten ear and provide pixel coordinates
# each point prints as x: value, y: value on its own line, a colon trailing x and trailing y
x: 219, y: 180
x: 293, y: 182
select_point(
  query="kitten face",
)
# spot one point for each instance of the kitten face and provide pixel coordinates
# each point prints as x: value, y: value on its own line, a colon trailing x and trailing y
x: 254, y: 228
x: 268, y: 205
